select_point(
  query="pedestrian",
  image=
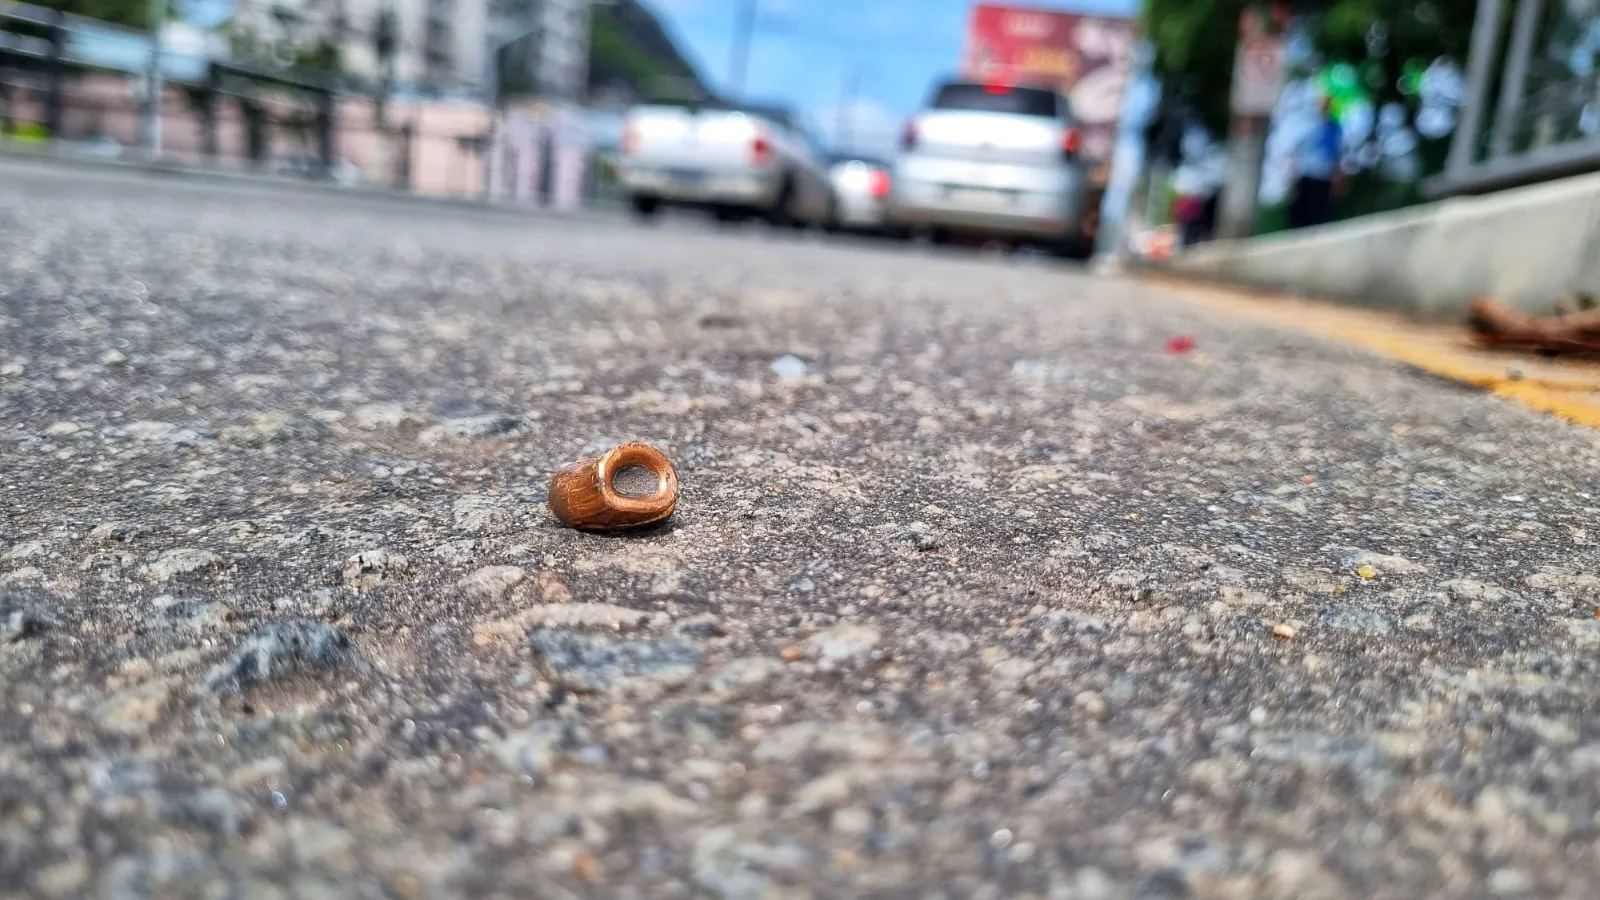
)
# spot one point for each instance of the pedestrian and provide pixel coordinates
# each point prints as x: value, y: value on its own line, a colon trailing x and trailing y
x: 1186, y: 210
x: 1197, y: 215
x: 1318, y: 177
x: 1200, y: 189
x: 1206, y: 226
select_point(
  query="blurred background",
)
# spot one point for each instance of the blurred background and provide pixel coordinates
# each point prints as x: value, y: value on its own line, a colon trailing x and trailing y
x: 524, y: 100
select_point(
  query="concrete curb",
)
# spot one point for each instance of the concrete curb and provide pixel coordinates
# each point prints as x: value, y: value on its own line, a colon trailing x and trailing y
x: 51, y: 155
x: 1525, y: 247
x: 1566, y: 388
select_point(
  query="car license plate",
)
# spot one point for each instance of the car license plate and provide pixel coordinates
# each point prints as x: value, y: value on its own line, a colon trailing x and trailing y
x: 986, y: 197
x: 985, y: 176
x: 687, y: 177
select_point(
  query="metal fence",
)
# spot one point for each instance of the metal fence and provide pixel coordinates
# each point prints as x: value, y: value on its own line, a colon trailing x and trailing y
x: 277, y: 132
x: 89, y: 97
x: 1531, y: 108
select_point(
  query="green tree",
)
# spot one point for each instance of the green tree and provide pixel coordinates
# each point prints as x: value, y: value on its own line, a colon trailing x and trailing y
x: 129, y: 13
x: 1194, y: 42
x: 321, y: 56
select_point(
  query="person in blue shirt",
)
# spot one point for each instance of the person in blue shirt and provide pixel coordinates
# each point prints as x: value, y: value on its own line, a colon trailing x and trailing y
x: 1317, y: 171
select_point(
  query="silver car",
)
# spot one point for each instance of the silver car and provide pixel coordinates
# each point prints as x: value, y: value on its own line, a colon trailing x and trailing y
x: 732, y: 161
x: 861, y: 194
x: 995, y: 160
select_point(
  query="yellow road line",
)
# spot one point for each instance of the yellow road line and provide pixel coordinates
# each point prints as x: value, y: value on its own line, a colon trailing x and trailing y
x: 1567, y: 389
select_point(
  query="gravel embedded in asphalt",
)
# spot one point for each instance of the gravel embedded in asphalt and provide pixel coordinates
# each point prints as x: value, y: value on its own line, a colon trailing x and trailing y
x: 974, y: 589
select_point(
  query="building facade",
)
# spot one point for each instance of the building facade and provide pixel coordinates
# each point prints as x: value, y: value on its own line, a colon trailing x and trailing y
x: 542, y: 48
x: 439, y: 46
x: 442, y: 47
x: 561, y: 69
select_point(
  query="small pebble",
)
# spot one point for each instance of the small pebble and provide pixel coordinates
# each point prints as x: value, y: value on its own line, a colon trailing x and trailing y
x: 1093, y: 705
x: 789, y: 367
x: 279, y: 649
x: 585, y: 867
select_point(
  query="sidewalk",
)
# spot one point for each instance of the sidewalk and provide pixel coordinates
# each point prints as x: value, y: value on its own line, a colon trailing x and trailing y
x: 51, y: 154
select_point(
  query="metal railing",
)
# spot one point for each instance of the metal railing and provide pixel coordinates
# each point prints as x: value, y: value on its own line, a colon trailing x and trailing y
x: 1527, y: 134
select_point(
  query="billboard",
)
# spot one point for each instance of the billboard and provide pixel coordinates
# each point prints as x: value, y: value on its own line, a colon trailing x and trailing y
x: 1088, y: 58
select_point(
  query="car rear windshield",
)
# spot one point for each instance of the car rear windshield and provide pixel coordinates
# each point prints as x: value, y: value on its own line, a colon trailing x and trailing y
x: 1019, y: 101
x: 777, y: 114
x: 681, y: 101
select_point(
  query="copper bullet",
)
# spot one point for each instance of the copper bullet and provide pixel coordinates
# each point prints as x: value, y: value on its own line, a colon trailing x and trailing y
x: 584, y: 494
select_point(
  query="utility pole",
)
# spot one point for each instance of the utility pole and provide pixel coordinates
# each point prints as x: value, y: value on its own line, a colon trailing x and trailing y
x: 1241, y: 200
x: 495, y: 154
x: 494, y: 88
x: 1257, y: 80
x: 743, y: 26
x: 385, y: 41
x: 847, y: 111
x: 153, y: 85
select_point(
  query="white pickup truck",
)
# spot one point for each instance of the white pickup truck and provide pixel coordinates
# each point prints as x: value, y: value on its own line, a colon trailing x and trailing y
x: 733, y: 161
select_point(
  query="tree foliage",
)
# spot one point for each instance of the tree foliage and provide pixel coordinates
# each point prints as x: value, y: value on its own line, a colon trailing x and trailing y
x: 1195, y: 40
x: 322, y: 55
x: 129, y: 13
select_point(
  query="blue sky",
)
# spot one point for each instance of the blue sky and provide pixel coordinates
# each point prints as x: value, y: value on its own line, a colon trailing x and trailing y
x: 804, y: 50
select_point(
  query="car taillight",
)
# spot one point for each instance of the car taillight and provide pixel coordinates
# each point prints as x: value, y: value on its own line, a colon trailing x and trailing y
x: 878, y: 184
x: 761, y: 150
x: 996, y: 87
x: 1071, y: 140
x: 908, y: 137
x: 630, y: 138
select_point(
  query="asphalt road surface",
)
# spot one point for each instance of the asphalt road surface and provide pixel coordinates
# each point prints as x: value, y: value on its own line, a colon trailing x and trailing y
x: 974, y: 590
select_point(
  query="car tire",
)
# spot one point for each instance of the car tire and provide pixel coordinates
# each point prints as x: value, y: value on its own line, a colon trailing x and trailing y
x: 1075, y: 247
x: 782, y: 213
x: 644, y: 208
x: 831, y: 223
